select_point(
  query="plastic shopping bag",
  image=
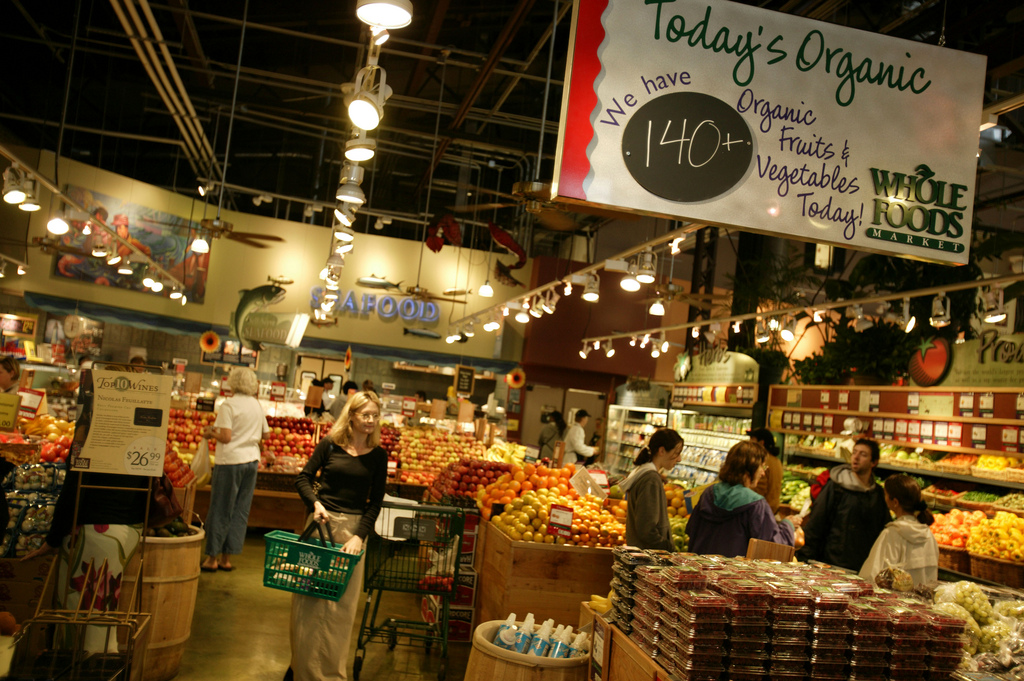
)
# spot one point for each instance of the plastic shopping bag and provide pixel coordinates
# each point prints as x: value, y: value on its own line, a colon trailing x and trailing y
x: 201, y: 464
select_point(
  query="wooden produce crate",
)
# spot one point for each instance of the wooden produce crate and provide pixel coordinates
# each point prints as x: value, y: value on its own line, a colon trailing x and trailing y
x: 545, y: 579
x: 275, y: 482
x: 955, y: 559
x: 997, y: 570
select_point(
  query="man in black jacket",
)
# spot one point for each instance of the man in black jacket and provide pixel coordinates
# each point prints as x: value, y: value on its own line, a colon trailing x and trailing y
x: 849, y: 514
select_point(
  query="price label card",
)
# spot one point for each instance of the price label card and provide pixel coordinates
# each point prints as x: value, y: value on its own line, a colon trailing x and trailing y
x: 277, y: 391
x: 560, y: 521
x: 1011, y: 439
x: 808, y: 421
x: 914, y: 431
x: 532, y: 454
x: 913, y: 402
x: 30, y: 401
x: 794, y: 397
x: 927, y: 432
x: 902, y: 426
x: 979, y: 436
x: 966, y: 404
x: 889, y: 428
x: 941, y: 433
x: 787, y: 419
x: 9, y: 405
x: 956, y: 436
x: 819, y: 422
x: 844, y: 399
x: 1020, y: 406
x: 825, y: 397
x: 775, y: 418
x: 600, y: 477
x: 205, y: 404
x: 392, y: 468
x: 987, y: 405
x: 829, y: 421
x: 874, y: 399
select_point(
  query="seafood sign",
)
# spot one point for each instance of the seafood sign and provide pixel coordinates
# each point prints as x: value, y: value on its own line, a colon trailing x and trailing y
x: 253, y: 300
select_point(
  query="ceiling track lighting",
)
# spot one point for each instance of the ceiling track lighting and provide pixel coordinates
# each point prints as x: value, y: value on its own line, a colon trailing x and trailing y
x: 200, y: 245
x: 994, y: 310
x: 584, y: 351
x: 493, y: 324
x: 788, y: 331
x: 30, y: 204
x: 646, y: 340
x: 609, y: 351
x: 655, y: 352
x: 761, y: 334
x: 87, y: 228
x: 592, y: 291
x: 366, y: 98
x: 57, y: 226
x: 125, y: 267
x: 940, y: 311
x: 523, y: 315
x: 736, y: 326
x: 99, y: 247
x: 260, y: 199
x: 157, y: 286
x: 485, y: 291
x: 380, y: 35
x: 3, y: 269
x: 360, y: 147
x: 861, y: 323
x: 646, y: 270
x: 629, y: 281
x: 632, y: 342
x: 773, y: 324
x: 349, y: 190
x: 335, y: 260
x: 22, y: 269
x: 657, y: 308
x: 175, y: 293
x: 695, y: 332
x: 907, y: 321
x: 343, y: 232
x: 113, y: 258
x: 389, y: 14
x: 550, y: 302
x: 664, y: 343
x: 14, y: 181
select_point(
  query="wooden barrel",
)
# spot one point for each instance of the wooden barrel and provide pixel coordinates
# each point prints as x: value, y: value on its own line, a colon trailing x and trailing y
x: 169, y: 585
x: 488, y: 662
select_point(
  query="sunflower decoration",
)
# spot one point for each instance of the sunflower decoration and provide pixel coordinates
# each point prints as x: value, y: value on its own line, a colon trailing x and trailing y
x: 516, y: 378
x: 209, y: 341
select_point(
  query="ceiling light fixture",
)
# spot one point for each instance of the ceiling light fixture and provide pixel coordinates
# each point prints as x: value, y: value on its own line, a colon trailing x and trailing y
x: 907, y: 321
x: 175, y: 293
x: 737, y: 326
x: 817, y: 316
x: 664, y: 342
x: 504, y: 310
x: 345, y: 213
x: 773, y: 324
x: 861, y: 323
x: 584, y: 351
x: 335, y: 259
x: 348, y: 187
x: 200, y: 244
x: 493, y: 324
x: 994, y: 310
x: 380, y: 35
x: 592, y: 291
x: 184, y: 299
x: 695, y: 332
x: 655, y: 352
x: 345, y: 247
x: 486, y: 291
x: 657, y: 308
x: 452, y: 337
x: 125, y: 267
x: 22, y: 270
x: 567, y: 291
x: 646, y: 271
x: 113, y: 259
x: 550, y: 301
x: 646, y: 340
x: 632, y: 342
x: 523, y: 316
x: 609, y: 351
x: 343, y: 232
x: 87, y: 228
x: 13, y: 185
x: 3, y: 269
x: 536, y: 310
x: 788, y: 332
x: 385, y: 13
x: 629, y: 281
x: 366, y: 98
x: 940, y: 311
x: 260, y: 199
x: 157, y: 286
x: 360, y: 147
x: 761, y: 334
x: 99, y: 248
x: 57, y: 226
x: 30, y: 204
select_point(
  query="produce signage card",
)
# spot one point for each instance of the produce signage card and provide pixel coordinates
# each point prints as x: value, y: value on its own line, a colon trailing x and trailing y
x: 744, y: 117
x: 127, y: 429
x: 560, y: 521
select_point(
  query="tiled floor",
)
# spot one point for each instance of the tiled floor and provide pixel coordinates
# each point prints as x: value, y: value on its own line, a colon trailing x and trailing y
x: 240, y: 632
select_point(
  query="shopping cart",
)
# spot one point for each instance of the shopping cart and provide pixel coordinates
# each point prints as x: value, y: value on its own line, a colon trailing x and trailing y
x: 416, y: 550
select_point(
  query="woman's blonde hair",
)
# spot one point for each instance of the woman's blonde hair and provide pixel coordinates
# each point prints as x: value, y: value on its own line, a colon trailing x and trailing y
x: 341, y: 432
x: 244, y: 381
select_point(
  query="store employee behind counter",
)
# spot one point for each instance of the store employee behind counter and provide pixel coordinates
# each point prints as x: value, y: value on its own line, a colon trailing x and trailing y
x: 849, y: 514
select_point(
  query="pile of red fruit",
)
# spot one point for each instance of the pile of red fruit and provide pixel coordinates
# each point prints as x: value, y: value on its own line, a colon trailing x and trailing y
x: 179, y: 472
x: 423, y: 452
x: 289, y: 436
x: 389, y: 437
x: 460, y: 481
x: 56, y: 451
x: 185, y: 427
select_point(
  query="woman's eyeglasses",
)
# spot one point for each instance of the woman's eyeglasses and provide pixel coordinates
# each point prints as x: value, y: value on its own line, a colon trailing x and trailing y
x: 367, y: 417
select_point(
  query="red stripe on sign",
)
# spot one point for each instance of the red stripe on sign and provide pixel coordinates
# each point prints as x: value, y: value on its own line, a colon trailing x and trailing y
x: 582, y: 98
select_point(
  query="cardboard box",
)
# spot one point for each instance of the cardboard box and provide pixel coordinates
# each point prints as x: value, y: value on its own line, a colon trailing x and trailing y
x: 460, y: 618
x: 472, y: 523
x: 465, y: 587
x: 468, y: 550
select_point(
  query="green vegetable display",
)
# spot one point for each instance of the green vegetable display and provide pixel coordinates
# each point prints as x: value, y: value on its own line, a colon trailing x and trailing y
x: 1014, y: 500
x: 679, y: 539
x: 979, y: 497
x: 791, y: 487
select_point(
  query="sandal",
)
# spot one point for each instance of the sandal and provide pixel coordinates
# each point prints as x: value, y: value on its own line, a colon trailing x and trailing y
x: 225, y: 568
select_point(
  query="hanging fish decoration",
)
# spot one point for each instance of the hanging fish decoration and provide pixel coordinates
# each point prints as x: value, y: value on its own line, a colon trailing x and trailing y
x: 505, y: 240
x: 504, y: 275
x: 445, y: 229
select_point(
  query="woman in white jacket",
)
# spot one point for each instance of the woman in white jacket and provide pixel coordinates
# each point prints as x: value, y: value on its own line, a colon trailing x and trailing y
x: 907, y: 542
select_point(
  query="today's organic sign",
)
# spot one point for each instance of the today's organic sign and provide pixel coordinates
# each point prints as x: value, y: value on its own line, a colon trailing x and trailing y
x: 769, y: 122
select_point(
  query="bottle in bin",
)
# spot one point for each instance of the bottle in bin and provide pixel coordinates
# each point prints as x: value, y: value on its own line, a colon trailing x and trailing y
x: 560, y: 643
x: 580, y: 646
x: 506, y: 636
x: 542, y: 639
x: 525, y: 634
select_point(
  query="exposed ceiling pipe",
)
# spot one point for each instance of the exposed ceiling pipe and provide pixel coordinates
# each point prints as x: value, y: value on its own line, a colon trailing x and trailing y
x: 96, y: 131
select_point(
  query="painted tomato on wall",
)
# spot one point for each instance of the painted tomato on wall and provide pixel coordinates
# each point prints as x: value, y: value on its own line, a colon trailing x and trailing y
x: 931, y: 361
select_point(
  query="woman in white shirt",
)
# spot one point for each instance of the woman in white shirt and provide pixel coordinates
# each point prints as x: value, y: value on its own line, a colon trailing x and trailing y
x: 239, y: 427
x: 907, y: 542
x: 576, y: 448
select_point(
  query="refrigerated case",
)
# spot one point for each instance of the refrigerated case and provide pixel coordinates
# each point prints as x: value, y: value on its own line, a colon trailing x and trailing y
x: 628, y: 430
x: 707, y: 438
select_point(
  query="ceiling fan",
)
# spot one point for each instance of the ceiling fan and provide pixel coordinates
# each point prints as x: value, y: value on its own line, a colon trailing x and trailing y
x: 217, y: 228
x: 559, y: 217
x: 418, y: 292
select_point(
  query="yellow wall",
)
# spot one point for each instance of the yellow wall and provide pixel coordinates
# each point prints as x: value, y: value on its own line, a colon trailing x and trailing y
x: 300, y: 257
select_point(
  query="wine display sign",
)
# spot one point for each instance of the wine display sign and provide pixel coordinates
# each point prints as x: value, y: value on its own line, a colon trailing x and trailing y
x: 768, y: 122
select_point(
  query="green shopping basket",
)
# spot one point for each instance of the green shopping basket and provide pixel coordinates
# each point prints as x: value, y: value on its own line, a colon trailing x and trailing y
x: 306, y: 566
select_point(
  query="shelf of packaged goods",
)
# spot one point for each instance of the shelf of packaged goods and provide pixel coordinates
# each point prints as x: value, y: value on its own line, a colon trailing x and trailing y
x: 643, y: 423
x: 922, y: 472
x: 716, y: 405
x: 913, y: 445
x: 904, y: 417
x: 623, y: 442
x: 703, y: 467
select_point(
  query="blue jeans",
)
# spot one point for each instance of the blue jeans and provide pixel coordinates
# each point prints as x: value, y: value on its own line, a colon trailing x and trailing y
x: 230, y: 498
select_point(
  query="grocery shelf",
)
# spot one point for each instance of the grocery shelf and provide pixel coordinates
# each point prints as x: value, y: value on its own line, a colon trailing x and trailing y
x: 904, y: 416
x: 912, y: 445
x: 923, y: 472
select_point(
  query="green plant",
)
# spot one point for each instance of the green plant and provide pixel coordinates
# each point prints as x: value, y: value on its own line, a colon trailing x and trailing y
x: 770, y: 360
x: 825, y: 368
x: 880, y: 352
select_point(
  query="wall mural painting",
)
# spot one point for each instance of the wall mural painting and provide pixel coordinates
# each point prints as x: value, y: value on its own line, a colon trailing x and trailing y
x: 163, y: 237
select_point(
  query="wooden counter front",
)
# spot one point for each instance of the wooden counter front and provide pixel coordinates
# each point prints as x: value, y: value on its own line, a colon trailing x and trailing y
x: 269, y: 509
x: 545, y: 579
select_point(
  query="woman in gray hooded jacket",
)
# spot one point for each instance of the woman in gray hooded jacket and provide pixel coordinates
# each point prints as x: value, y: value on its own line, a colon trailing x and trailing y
x: 647, y: 525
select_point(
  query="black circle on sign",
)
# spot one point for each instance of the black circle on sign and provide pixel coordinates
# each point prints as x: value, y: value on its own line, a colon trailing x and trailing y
x: 687, y: 146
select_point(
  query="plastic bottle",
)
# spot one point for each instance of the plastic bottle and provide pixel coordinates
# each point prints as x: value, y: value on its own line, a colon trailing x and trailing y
x: 506, y: 636
x: 542, y: 639
x: 581, y: 646
x: 525, y: 635
x: 560, y: 644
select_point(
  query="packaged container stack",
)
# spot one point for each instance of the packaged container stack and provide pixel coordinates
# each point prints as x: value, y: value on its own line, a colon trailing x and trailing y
x: 647, y: 609
x: 695, y: 621
x: 908, y: 643
x: 624, y: 586
x: 945, y: 645
x: 830, y: 632
x: 32, y: 491
x: 870, y: 633
x: 792, y: 607
x: 749, y: 628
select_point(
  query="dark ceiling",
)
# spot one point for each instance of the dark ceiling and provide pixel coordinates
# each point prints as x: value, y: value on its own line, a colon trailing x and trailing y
x: 476, y: 72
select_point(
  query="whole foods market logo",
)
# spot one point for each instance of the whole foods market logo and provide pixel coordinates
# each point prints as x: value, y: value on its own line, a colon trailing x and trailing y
x: 125, y: 384
x: 309, y: 560
x: 917, y: 209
